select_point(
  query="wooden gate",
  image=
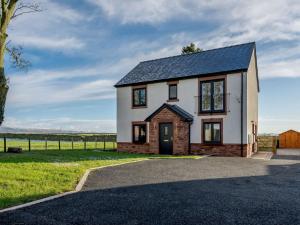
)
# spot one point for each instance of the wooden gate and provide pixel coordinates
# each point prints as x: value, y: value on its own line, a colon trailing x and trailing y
x: 289, y: 139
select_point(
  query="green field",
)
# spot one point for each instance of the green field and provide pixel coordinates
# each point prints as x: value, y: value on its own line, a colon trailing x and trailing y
x: 53, y: 145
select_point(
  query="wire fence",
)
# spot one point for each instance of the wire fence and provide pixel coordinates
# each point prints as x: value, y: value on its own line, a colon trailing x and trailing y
x: 28, y: 142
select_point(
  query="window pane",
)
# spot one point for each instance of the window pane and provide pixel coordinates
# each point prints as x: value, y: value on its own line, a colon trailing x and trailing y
x: 216, y: 132
x: 166, y: 131
x: 206, y: 96
x: 136, y: 97
x: 139, y: 133
x: 139, y: 97
x: 207, y: 132
x: 143, y: 133
x: 136, y: 133
x: 173, y: 91
x: 142, y: 96
x: 218, y: 95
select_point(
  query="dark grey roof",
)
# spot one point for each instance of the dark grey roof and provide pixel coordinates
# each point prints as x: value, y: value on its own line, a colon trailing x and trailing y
x: 227, y: 59
x: 184, y: 115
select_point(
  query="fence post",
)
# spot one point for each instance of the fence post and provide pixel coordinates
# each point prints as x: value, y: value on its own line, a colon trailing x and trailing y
x: 58, y: 144
x: 4, y: 140
x: 72, y: 144
x: 104, y: 142
x: 96, y: 142
x: 84, y: 144
x: 46, y: 143
x: 29, y: 144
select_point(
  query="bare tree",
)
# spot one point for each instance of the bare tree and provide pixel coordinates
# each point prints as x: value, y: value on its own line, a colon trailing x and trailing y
x: 11, y: 9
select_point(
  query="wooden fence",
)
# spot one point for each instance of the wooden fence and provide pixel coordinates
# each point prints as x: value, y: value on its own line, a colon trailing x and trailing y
x: 59, y: 139
x: 267, y: 143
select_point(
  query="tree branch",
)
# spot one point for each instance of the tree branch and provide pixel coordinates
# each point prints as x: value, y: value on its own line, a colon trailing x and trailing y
x: 23, y: 8
x: 16, y: 57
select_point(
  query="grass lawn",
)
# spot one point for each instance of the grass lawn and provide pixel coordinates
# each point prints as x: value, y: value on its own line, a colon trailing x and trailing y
x: 33, y: 175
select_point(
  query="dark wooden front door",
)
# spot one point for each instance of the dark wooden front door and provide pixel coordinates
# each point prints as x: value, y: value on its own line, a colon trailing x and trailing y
x: 166, y: 138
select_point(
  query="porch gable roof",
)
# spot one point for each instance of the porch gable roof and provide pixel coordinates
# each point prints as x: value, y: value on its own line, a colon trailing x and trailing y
x: 184, y: 115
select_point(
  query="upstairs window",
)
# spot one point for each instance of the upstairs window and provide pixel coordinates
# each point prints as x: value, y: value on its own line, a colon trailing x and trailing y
x: 172, y: 91
x: 139, y: 133
x: 212, y: 96
x: 139, y: 96
x: 212, y: 132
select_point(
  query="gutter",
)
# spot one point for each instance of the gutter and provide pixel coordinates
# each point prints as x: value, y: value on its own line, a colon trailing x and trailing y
x: 242, y: 113
x: 189, y: 150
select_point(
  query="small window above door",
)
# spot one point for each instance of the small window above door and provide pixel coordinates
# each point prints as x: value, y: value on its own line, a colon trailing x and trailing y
x: 173, y: 92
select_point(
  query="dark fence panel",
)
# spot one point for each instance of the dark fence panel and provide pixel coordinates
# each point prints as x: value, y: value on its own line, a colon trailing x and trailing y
x: 75, y: 140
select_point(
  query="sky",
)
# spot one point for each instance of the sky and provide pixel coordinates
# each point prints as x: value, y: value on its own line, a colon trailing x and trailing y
x: 79, y: 49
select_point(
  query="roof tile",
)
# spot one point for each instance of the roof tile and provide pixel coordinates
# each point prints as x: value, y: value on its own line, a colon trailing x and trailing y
x: 231, y: 58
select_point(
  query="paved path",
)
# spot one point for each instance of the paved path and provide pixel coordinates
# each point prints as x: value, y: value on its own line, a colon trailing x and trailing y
x: 287, y: 151
x: 213, y: 190
x: 288, y: 154
x: 262, y: 155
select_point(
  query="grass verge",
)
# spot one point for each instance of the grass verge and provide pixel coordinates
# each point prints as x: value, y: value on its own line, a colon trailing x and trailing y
x: 37, y: 174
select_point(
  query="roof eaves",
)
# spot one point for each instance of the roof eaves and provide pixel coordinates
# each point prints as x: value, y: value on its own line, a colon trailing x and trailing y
x: 181, y: 78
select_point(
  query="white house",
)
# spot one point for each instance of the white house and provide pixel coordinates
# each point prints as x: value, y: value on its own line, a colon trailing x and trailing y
x: 198, y: 103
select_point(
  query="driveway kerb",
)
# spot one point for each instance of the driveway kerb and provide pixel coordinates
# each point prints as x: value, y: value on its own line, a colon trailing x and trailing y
x: 77, y: 189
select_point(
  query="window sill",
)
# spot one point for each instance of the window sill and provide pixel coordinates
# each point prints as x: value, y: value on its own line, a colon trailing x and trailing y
x: 138, y: 107
x: 211, y: 113
x: 138, y: 143
x: 212, y: 144
x: 173, y: 100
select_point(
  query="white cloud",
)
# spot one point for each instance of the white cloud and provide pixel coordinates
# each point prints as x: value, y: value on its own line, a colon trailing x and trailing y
x: 147, y: 11
x: 52, y: 43
x: 65, y: 123
x: 50, y: 87
x: 268, y: 22
x: 55, y: 28
x: 285, y: 68
x: 44, y: 87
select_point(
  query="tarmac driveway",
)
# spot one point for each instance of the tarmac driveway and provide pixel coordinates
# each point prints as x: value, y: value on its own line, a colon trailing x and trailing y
x: 213, y: 190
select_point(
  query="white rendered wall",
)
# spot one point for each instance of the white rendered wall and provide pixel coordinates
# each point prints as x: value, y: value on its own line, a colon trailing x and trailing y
x: 252, y: 93
x: 157, y: 94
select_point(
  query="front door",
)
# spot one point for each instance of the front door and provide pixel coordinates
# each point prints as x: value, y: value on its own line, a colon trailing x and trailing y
x: 166, y: 138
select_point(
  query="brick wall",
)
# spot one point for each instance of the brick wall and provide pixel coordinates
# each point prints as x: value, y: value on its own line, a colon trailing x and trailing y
x: 220, y: 150
x: 180, y: 132
x: 180, y: 135
x: 133, y: 148
x: 180, y: 140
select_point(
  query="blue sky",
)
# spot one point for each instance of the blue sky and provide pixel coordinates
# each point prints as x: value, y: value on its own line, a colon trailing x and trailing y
x: 79, y: 49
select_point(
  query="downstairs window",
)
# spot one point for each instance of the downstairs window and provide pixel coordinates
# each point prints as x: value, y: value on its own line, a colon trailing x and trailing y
x: 212, y: 132
x: 139, y: 133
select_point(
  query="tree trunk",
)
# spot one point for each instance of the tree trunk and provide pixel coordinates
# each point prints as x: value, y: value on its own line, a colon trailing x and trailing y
x: 3, y: 93
x: 7, y: 10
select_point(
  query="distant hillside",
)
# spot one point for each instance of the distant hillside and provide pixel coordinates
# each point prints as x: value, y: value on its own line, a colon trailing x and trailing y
x: 34, y: 131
